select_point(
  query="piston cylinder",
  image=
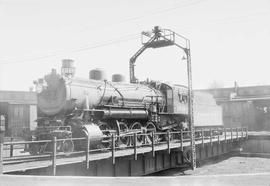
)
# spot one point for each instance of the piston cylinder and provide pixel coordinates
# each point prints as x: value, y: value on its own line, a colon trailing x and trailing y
x: 90, y: 130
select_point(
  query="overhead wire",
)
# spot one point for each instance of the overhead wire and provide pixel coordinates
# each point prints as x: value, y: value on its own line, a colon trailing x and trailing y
x: 121, y: 39
x: 57, y: 53
x: 153, y: 13
x: 75, y: 50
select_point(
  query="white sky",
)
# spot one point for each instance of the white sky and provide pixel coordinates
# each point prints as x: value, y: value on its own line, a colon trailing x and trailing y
x: 230, y: 39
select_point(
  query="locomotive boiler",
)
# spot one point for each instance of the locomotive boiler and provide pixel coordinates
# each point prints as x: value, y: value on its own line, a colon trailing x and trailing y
x: 71, y: 107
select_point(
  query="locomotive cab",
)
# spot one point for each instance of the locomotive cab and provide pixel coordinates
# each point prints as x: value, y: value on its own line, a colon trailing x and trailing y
x: 176, y: 99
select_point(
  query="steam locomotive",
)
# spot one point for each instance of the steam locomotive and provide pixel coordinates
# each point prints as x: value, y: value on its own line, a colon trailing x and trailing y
x: 70, y: 107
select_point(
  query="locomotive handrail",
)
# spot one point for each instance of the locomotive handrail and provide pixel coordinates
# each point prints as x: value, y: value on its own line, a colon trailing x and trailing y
x: 53, y: 127
x: 178, y: 132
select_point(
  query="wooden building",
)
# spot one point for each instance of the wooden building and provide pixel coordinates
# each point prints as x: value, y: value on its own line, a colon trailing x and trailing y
x: 18, y: 112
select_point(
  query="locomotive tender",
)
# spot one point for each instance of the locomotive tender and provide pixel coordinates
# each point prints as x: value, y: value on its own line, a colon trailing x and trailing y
x: 74, y: 107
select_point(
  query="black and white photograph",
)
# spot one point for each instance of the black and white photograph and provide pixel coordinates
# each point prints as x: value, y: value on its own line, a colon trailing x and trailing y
x: 134, y: 92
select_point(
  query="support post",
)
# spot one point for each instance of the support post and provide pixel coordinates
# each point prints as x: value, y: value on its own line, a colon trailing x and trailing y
x: 191, y: 138
x: 1, y: 156
x: 182, y: 148
x: 87, y: 150
x: 135, y: 146
x: 113, y: 149
x: 202, y: 138
x: 246, y: 133
x: 11, y: 148
x: 190, y: 105
x: 144, y: 138
x: 153, y: 143
x: 2, y: 133
x: 225, y: 135
x: 237, y: 134
x: 232, y: 134
x: 218, y: 139
x: 168, y: 142
x: 242, y: 133
x: 211, y: 142
x: 54, y: 141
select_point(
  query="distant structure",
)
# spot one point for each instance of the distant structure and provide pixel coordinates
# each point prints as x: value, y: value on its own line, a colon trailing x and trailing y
x: 244, y: 106
x: 18, y: 112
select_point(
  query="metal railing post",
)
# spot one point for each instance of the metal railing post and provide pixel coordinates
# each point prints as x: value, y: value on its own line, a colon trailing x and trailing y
x: 246, y: 133
x: 191, y: 138
x: 11, y: 147
x: 135, y: 146
x: 144, y: 138
x: 153, y: 143
x: 225, y: 135
x: 237, y: 134
x: 168, y: 141
x: 218, y: 138
x: 202, y: 138
x: 1, y: 156
x: 231, y: 134
x: 87, y: 150
x: 182, y: 148
x: 242, y: 133
x: 54, y: 141
x: 113, y: 148
x: 211, y: 142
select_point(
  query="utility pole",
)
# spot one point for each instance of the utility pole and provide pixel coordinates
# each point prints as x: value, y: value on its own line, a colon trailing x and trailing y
x: 190, y: 106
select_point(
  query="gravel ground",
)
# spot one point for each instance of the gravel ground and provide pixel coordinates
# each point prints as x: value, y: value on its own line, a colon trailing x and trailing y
x: 228, y: 166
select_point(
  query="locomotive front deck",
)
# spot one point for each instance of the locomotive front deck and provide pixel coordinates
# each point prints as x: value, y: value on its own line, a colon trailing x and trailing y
x: 138, y: 159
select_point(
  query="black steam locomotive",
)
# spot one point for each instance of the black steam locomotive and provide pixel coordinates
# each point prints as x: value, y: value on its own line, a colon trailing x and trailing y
x: 70, y: 107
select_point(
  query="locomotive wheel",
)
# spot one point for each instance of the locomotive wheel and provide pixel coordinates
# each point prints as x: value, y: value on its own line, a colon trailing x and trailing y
x: 104, y: 126
x: 150, y: 127
x: 137, y: 127
x: 123, y: 141
x: 67, y: 147
x: 106, y: 129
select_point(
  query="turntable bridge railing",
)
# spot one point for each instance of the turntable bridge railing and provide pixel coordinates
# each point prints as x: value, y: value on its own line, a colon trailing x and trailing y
x: 13, y: 160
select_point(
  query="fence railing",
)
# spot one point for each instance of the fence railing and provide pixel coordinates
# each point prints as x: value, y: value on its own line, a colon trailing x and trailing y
x: 9, y: 150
